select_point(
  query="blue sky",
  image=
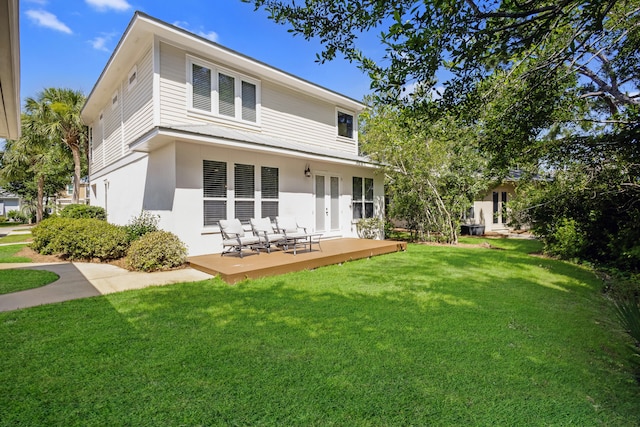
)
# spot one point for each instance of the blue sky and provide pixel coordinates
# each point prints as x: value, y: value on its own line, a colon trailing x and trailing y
x: 67, y: 43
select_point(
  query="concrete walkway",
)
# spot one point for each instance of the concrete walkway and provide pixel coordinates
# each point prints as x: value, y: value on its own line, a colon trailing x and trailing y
x: 82, y: 280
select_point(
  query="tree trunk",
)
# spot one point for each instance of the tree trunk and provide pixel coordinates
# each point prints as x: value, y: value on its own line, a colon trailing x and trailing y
x: 75, y: 150
x: 40, y: 199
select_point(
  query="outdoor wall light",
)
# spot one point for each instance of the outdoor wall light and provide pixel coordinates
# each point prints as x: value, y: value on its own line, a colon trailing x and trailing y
x: 307, y: 171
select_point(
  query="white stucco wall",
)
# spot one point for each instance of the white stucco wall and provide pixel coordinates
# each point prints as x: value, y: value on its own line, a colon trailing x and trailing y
x: 168, y: 182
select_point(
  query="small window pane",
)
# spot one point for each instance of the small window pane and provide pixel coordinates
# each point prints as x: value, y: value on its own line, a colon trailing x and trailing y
x: 215, y: 178
x: 248, y: 102
x: 244, y: 210
x: 357, y: 188
x: 345, y: 125
x: 201, y: 82
x: 357, y: 210
x: 368, y: 189
x: 244, y: 181
x: 214, y: 210
x: 270, y: 209
x: 269, y: 183
x: 226, y: 93
x: 368, y: 210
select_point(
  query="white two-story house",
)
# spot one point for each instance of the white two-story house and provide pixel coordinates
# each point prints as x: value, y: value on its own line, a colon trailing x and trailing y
x: 195, y: 132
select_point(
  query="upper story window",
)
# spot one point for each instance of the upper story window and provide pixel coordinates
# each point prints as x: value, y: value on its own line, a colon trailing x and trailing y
x: 133, y: 77
x: 114, y: 101
x: 345, y: 124
x: 223, y: 93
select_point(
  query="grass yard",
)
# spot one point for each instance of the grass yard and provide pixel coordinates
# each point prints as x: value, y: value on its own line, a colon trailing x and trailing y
x: 19, y: 280
x: 433, y: 336
x: 16, y: 238
x: 8, y: 254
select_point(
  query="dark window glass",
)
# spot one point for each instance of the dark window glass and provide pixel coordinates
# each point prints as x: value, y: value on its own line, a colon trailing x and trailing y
x: 201, y: 83
x: 345, y: 125
x: 215, y: 178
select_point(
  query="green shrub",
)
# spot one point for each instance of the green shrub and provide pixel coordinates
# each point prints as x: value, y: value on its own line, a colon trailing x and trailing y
x: 566, y: 241
x: 157, y: 250
x: 47, y: 233
x: 142, y: 224
x: 82, y: 238
x: 83, y: 211
x: 370, y: 228
x: 17, y: 216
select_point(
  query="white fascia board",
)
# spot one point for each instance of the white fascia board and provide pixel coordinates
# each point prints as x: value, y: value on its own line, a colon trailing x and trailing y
x: 160, y: 137
x: 10, y: 68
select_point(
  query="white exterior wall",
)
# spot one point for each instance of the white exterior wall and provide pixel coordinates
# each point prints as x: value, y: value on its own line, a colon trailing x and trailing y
x: 168, y: 182
x: 123, y: 122
x: 284, y: 112
x: 483, y: 209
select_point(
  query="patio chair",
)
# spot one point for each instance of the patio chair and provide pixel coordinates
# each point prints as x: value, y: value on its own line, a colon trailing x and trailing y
x: 263, y: 228
x: 293, y: 234
x: 234, y: 238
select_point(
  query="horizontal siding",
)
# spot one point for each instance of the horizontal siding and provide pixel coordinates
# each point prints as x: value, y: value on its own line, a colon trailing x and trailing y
x: 285, y: 113
x: 97, y: 153
x: 137, y: 108
x: 112, y: 131
x: 290, y: 115
x: 173, y: 86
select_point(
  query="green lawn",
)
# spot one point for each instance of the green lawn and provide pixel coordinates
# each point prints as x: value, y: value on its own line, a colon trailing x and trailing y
x: 15, y: 238
x: 8, y: 254
x: 19, y: 280
x: 434, y: 336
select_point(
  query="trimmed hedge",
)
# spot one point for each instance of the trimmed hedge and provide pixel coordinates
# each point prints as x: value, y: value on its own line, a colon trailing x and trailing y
x: 157, y: 250
x: 83, y: 211
x: 83, y: 238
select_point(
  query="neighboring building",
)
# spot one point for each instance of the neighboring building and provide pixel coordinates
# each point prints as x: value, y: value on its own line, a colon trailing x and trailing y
x: 9, y: 70
x: 190, y: 130
x: 9, y: 202
x: 492, y: 210
x: 65, y: 197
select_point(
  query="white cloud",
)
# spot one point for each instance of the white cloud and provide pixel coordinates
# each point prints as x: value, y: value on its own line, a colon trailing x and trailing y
x: 47, y: 20
x: 100, y: 42
x: 210, y: 35
x: 40, y: 2
x: 102, y: 5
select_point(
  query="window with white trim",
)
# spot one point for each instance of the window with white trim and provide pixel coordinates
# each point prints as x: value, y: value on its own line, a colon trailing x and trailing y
x: 245, y: 198
x: 222, y: 93
x: 362, y: 198
x: 114, y: 101
x: 215, y: 191
x: 245, y: 192
x: 270, y: 192
x: 345, y: 125
x: 132, y: 78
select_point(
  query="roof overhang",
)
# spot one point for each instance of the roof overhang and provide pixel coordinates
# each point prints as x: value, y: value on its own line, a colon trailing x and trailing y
x: 143, y: 30
x: 9, y: 70
x: 244, y: 141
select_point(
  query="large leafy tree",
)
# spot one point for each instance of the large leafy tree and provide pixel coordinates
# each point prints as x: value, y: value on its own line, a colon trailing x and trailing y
x: 34, y: 166
x: 596, y: 39
x: 550, y: 84
x: 433, y: 167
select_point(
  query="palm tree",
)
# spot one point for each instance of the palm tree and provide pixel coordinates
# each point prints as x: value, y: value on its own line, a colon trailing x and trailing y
x: 62, y: 120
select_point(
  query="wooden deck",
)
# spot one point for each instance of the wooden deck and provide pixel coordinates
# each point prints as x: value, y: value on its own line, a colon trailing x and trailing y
x: 232, y: 268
